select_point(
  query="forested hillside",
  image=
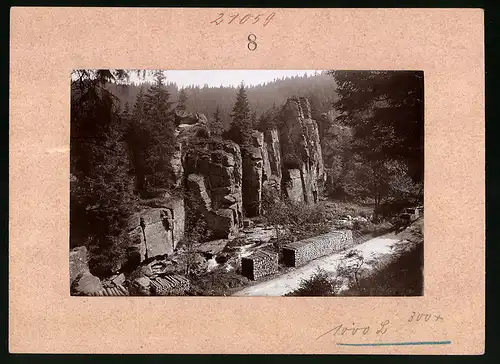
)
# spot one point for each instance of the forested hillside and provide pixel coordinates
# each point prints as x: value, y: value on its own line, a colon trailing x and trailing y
x: 320, y: 89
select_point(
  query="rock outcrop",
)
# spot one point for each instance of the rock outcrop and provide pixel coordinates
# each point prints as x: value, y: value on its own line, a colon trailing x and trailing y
x: 156, y: 231
x: 225, y: 182
x: 78, y: 262
x: 261, y: 168
x: 287, y: 158
x: 300, y: 145
x: 183, y: 117
x: 86, y: 284
x: 214, y: 179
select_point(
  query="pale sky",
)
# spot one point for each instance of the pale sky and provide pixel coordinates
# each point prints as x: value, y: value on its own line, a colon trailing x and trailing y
x: 225, y: 77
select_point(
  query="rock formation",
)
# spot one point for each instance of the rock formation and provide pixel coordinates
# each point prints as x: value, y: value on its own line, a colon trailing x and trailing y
x: 288, y: 159
x: 225, y: 182
x: 214, y: 178
x: 300, y: 145
x: 183, y: 117
x: 155, y: 231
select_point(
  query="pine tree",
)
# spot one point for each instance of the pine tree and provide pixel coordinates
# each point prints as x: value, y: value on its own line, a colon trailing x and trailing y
x: 156, y: 100
x: 160, y: 145
x: 241, y: 129
x: 253, y: 120
x: 100, y: 198
x: 182, y: 101
x: 216, y: 127
x: 151, y: 136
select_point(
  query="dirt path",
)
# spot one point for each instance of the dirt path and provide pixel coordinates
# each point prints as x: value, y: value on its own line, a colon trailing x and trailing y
x: 374, y: 248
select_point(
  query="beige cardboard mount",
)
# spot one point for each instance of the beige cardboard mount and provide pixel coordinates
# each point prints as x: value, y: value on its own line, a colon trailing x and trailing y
x: 47, y: 43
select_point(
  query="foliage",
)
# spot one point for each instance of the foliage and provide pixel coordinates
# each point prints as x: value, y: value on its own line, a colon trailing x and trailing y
x: 350, y: 267
x: 215, y: 124
x: 320, y: 284
x: 100, y: 197
x: 240, y: 130
x: 385, y: 110
x: 372, y: 142
x: 292, y: 161
x: 216, y: 283
x: 262, y: 97
x: 299, y: 220
x: 401, y: 277
x: 269, y: 119
x: 182, y: 101
x: 151, y: 138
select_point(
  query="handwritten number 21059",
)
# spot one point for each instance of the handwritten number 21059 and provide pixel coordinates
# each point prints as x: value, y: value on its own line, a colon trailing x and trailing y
x: 233, y: 19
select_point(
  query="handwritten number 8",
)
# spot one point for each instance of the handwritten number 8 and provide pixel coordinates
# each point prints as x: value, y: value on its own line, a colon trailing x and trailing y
x: 251, y: 42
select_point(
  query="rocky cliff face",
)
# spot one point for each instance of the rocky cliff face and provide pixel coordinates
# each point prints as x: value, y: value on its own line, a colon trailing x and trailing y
x: 226, y: 182
x: 156, y: 231
x: 300, y: 144
x: 288, y: 159
x: 214, y: 174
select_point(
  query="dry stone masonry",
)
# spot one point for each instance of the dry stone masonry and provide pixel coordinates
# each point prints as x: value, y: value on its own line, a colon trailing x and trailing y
x: 117, y: 290
x: 303, y: 251
x: 169, y: 285
x: 259, y: 264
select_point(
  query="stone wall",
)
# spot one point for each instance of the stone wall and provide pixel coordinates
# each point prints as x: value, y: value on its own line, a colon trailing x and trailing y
x: 169, y: 285
x: 259, y: 264
x: 303, y: 251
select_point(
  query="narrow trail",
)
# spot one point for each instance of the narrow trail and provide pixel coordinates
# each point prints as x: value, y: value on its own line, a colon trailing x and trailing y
x: 279, y: 286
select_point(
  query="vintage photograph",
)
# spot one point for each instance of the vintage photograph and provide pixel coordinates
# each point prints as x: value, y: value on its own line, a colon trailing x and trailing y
x: 246, y: 183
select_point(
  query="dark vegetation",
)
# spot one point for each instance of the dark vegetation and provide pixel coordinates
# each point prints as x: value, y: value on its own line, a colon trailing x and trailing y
x: 401, y: 277
x: 122, y: 138
x: 320, y: 284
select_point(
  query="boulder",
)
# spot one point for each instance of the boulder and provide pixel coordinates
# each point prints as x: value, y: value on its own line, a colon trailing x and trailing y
x: 86, y: 284
x: 140, y: 287
x: 222, y: 223
x: 212, y: 248
x: 183, y: 117
x: 78, y: 262
x: 119, y: 279
x: 158, y: 225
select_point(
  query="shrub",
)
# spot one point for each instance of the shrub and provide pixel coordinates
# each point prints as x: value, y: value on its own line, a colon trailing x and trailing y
x: 402, y: 277
x: 320, y: 284
x: 291, y: 161
x: 216, y: 283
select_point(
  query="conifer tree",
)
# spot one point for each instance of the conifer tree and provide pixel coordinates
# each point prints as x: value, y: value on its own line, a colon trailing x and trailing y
x: 241, y: 129
x: 182, y: 101
x: 100, y: 198
x: 151, y: 136
x: 216, y: 127
x: 253, y: 120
